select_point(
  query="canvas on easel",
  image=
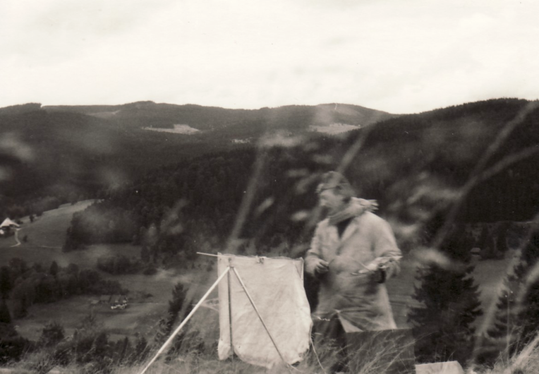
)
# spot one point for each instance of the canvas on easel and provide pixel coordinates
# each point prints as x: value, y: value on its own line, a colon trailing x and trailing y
x: 276, y: 288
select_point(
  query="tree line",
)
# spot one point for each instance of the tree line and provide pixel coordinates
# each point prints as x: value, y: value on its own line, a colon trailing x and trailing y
x: 24, y: 285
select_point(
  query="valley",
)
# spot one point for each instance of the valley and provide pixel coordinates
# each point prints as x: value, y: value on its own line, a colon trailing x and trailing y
x: 149, y: 294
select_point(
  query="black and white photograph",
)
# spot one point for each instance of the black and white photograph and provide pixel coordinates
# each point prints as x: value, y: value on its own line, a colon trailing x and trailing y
x: 267, y: 187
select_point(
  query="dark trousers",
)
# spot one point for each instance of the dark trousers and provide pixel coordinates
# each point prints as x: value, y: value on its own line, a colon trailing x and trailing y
x: 380, y: 352
x: 330, y: 344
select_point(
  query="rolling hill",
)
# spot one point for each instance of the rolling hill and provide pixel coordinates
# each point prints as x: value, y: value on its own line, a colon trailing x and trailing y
x: 70, y: 152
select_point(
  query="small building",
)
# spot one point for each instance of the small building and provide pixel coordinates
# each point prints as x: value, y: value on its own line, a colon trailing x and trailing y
x: 476, y: 251
x: 476, y: 254
x: 8, y: 227
x: 118, y: 302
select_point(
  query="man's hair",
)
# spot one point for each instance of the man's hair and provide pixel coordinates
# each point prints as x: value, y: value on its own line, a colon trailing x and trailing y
x: 336, y: 181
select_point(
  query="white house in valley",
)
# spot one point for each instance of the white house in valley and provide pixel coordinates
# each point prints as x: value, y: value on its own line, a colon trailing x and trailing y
x: 7, y: 227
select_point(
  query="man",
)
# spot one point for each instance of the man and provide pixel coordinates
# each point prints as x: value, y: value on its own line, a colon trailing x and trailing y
x: 352, y: 253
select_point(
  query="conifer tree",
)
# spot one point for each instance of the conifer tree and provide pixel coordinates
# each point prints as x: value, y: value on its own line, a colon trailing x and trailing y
x: 52, y: 334
x: 516, y: 320
x: 175, y: 306
x: 443, y: 324
x: 53, y: 270
x: 501, y: 238
x: 5, y: 282
x: 5, y: 316
x: 145, y: 254
x: 526, y: 272
x: 141, y: 350
x: 504, y: 325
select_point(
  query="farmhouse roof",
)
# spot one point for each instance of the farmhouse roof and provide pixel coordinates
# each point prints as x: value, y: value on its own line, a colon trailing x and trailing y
x: 8, y: 223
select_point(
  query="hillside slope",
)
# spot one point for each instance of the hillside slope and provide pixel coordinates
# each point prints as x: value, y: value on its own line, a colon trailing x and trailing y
x: 490, y: 148
x: 70, y: 152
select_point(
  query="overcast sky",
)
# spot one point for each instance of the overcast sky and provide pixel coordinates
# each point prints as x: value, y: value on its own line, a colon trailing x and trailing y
x: 392, y: 55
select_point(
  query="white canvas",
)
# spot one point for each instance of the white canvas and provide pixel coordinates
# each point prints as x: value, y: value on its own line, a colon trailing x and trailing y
x: 276, y: 287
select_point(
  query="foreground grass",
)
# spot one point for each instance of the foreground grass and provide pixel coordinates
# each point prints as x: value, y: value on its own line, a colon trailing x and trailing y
x: 525, y: 362
x: 203, y: 359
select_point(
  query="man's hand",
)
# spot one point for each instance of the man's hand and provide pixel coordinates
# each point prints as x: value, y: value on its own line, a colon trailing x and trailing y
x: 379, y: 275
x: 321, y: 267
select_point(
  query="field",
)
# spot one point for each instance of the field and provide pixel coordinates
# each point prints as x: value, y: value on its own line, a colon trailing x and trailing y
x: 149, y: 295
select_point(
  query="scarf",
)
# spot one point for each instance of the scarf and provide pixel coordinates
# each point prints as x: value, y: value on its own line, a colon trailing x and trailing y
x: 355, y: 208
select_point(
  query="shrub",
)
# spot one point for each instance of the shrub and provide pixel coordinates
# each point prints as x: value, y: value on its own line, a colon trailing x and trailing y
x: 52, y: 334
x: 150, y: 270
x: 12, y: 345
x: 119, y: 265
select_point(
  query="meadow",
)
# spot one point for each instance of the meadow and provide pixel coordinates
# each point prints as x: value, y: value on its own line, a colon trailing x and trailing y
x: 148, y: 294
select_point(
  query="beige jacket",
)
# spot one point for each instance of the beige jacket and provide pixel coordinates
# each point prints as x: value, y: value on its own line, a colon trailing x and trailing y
x: 349, y: 288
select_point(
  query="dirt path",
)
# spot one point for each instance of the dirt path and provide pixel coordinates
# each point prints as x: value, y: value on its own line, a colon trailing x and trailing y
x: 17, y: 238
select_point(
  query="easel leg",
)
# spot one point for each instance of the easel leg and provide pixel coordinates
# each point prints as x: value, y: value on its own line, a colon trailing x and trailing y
x: 259, y: 316
x: 186, y: 319
x: 229, y: 291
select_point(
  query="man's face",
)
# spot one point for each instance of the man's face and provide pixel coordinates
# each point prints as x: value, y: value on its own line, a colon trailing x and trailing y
x: 330, y: 200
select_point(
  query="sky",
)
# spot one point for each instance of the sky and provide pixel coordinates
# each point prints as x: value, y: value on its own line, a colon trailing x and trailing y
x: 391, y: 55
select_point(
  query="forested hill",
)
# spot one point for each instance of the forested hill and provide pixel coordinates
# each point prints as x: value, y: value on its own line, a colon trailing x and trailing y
x: 66, y: 153
x: 292, y: 117
x: 415, y: 165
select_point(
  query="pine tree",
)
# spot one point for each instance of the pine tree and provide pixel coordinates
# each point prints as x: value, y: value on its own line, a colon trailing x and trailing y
x: 5, y: 282
x: 179, y: 294
x: 141, y: 350
x: 145, y: 254
x: 175, y: 306
x: 525, y: 272
x: 53, y: 270
x: 504, y: 325
x: 20, y: 309
x: 5, y: 316
x: 443, y: 324
x: 501, y: 238
x: 485, y: 243
x: 123, y: 349
x: 51, y: 334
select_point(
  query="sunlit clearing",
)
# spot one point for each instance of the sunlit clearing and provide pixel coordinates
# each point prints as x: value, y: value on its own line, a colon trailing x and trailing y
x: 113, y: 178
x: 11, y: 144
x: 280, y: 139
